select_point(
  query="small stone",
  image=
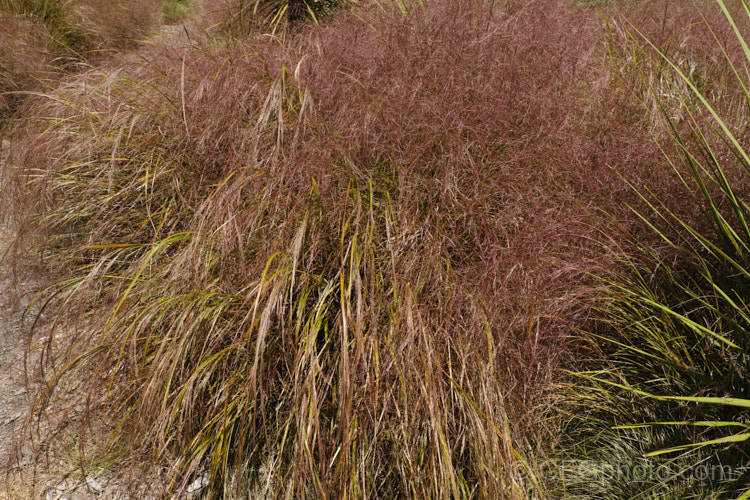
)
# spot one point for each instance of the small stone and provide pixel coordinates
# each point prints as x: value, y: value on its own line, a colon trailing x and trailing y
x: 198, y: 484
x: 54, y: 495
x: 94, y: 485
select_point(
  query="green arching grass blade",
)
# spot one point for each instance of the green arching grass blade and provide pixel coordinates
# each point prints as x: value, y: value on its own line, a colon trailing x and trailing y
x: 737, y: 438
x: 697, y: 423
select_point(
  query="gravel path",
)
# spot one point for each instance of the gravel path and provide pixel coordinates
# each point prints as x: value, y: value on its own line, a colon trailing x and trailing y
x: 13, y: 395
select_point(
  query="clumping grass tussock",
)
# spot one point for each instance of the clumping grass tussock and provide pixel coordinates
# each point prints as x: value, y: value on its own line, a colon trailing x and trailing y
x: 341, y: 261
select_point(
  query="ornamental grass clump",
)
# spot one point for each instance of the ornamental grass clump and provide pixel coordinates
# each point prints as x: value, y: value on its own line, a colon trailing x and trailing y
x: 333, y: 263
x: 248, y: 312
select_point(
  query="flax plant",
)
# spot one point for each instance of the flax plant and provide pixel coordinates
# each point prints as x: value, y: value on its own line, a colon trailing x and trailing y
x: 666, y: 395
x: 245, y: 16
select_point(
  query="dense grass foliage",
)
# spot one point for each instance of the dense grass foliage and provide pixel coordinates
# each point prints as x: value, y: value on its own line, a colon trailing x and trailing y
x: 74, y: 27
x: 42, y: 39
x: 347, y: 259
x: 24, y: 58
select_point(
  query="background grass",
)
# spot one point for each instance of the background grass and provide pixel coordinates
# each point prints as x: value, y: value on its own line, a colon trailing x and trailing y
x: 41, y: 40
